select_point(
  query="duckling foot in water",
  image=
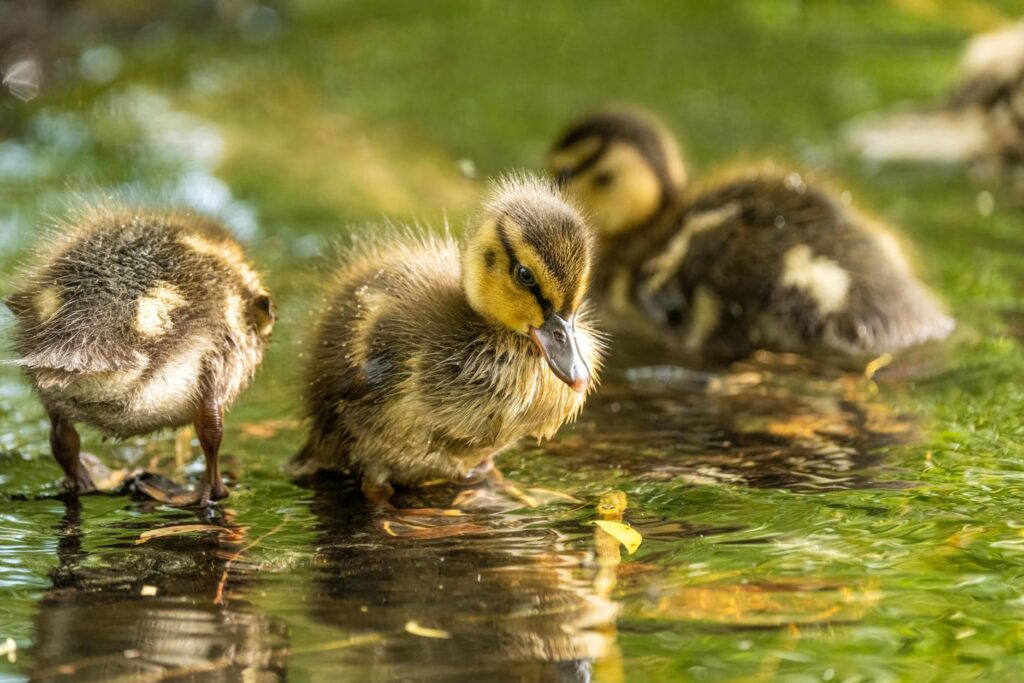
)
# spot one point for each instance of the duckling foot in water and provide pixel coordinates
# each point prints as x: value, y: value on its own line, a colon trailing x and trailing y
x: 209, y: 426
x: 495, y: 491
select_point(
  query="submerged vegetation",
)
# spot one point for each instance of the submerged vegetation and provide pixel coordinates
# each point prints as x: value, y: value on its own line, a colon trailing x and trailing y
x: 796, y: 520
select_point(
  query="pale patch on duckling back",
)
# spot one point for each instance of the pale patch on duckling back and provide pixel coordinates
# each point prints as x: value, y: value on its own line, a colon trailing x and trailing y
x: 819, y: 277
x: 373, y: 304
x: 233, y: 314
x: 174, y: 386
x: 228, y: 253
x: 153, y: 310
x: 707, y: 311
x: 669, y: 262
x: 46, y: 303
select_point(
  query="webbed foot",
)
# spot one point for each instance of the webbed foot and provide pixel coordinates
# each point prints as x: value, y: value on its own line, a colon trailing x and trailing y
x: 165, y: 491
x: 79, y: 484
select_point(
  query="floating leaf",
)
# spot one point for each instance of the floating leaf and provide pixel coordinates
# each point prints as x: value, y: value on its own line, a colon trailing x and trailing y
x: 424, y: 632
x: 877, y: 364
x: 180, y: 529
x: 629, y: 537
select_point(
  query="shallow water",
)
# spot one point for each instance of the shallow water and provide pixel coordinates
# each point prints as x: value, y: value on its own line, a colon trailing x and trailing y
x: 799, y: 522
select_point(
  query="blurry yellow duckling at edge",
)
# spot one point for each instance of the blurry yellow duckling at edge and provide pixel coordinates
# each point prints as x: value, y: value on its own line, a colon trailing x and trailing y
x: 761, y: 258
x: 428, y: 361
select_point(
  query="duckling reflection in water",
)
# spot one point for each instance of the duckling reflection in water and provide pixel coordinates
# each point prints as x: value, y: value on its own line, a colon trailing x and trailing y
x: 131, y: 322
x: 426, y: 362
x: 525, y: 601
x: 981, y: 120
x: 760, y: 259
x: 99, y: 623
x: 772, y: 421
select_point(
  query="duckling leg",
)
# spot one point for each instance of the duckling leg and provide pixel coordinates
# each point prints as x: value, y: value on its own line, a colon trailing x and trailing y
x: 210, y: 429
x: 209, y: 424
x: 66, y: 447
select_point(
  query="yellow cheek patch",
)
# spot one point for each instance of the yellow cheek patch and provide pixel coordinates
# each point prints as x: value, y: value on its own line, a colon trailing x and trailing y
x: 490, y: 288
x: 153, y: 310
x: 630, y: 200
x: 46, y: 303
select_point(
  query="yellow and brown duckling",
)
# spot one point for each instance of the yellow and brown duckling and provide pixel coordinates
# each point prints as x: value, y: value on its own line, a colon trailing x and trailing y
x: 429, y: 358
x: 981, y: 119
x: 130, y: 322
x: 760, y: 259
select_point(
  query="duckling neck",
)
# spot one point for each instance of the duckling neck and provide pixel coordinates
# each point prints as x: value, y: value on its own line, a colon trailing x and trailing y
x: 621, y: 256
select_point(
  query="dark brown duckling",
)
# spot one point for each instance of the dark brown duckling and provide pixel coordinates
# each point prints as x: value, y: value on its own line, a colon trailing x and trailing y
x: 429, y: 358
x: 762, y: 258
x: 130, y: 322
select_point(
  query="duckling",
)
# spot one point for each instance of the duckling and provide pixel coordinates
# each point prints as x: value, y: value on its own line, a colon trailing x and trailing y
x: 981, y: 119
x: 759, y: 259
x: 429, y: 360
x: 132, y: 321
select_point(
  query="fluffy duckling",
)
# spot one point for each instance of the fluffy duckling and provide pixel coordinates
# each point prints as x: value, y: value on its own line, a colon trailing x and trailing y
x: 131, y: 322
x: 761, y: 259
x: 982, y: 119
x: 428, y: 360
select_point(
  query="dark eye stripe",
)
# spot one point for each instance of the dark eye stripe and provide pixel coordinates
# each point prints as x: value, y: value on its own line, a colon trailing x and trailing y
x: 590, y: 160
x: 513, y: 263
x: 503, y: 238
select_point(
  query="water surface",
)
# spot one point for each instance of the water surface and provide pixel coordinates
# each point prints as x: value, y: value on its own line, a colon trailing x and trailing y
x: 800, y: 522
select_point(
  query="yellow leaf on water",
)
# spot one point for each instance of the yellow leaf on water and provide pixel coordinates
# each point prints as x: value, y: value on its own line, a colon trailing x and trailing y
x: 877, y: 364
x: 629, y: 537
x: 424, y: 632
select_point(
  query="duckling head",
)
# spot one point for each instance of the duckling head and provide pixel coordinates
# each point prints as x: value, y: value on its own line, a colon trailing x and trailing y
x: 526, y: 267
x: 623, y: 165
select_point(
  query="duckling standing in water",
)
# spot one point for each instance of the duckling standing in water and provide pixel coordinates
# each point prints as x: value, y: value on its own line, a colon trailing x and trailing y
x: 131, y: 322
x: 761, y: 259
x: 427, y: 362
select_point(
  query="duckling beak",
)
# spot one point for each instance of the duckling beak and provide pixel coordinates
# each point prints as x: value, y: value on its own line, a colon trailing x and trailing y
x: 556, y: 340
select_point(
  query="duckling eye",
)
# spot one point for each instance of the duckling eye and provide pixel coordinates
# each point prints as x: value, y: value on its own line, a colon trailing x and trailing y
x: 525, y: 276
x: 603, y: 179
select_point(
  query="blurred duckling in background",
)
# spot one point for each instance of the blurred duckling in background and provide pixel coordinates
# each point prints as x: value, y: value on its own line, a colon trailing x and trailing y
x: 759, y: 259
x: 427, y: 361
x: 981, y: 120
x: 131, y: 322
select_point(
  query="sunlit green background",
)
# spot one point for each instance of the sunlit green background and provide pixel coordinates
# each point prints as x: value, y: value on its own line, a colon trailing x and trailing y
x: 298, y: 120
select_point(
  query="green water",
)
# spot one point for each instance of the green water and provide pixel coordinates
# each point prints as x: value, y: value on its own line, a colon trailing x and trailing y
x: 799, y: 523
